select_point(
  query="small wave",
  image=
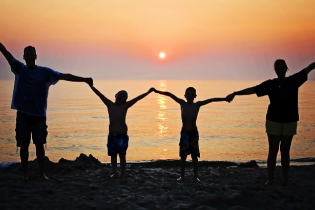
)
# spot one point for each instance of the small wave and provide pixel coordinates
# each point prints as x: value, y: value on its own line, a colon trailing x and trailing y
x: 101, y: 117
x: 293, y: 161
x: 303, y: 160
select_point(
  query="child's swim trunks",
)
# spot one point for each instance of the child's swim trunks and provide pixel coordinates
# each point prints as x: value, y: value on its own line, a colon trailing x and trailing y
x: 117, y: 144
x: 189, y: 144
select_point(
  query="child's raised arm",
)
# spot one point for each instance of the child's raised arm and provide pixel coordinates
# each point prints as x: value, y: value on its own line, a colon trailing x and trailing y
x: 201, y: 103
x: 136, y: 99
x: 178, y: 100
x: 105, y: 100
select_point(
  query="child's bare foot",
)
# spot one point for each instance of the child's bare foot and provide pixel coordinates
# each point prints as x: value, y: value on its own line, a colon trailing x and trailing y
x: 43, y: 177
x: 196, y: 179
x: 268, y: 182
x: 115, y: 175
x: 181, y: 179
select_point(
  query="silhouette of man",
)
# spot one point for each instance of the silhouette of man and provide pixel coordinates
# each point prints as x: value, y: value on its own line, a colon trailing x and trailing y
x: 30, y: 94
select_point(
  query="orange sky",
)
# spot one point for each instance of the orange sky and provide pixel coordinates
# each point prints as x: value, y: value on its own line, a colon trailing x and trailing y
x: 134, y: 32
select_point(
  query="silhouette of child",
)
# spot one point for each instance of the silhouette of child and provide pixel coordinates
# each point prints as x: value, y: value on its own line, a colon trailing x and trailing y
x: 189, y: 135
x: 118, y: 139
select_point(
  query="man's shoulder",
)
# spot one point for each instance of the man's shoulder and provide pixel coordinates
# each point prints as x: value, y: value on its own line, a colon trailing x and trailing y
x: 47, y: 70
x: 17, y: 63
x: 44, y: 68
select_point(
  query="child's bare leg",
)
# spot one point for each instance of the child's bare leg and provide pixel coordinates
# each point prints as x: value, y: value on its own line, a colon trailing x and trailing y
x: 113, y: 160
x: 122, y: 164
x: 195, y: 166
x: 182, y: 169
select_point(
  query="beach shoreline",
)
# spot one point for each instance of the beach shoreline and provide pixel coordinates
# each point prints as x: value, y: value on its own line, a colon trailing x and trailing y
x: 174, y: 162
x: 85, y: 184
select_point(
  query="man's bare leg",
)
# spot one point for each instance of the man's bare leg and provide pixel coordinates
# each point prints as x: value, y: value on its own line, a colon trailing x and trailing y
x: 122, y: 165
x: 195, y: 166
x: 24, y: 160
x: 285, y: 156
x: 182, y: 169
x: 113, y: 160
x: 40, y: 154
x: 273, y: 141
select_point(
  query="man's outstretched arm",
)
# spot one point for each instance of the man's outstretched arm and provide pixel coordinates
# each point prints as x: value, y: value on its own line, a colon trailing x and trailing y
x: 73, y: 78
x: 6, y: 53
x: 201, y: 103
x: 136, y: 99
x: 178, y: 100
x: 105, y: 100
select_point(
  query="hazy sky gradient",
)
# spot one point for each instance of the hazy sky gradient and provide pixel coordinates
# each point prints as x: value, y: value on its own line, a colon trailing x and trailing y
x: 121, y: 39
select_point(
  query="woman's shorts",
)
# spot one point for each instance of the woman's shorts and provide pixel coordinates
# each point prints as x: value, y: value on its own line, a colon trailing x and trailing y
x: 277, y: 128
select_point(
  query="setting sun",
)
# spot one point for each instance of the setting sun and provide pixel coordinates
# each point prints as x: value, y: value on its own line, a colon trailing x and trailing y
x: 162, y: 55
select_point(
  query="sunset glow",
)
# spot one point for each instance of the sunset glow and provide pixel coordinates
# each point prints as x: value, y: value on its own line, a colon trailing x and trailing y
x: 162, y: 55
x: 86, y: 37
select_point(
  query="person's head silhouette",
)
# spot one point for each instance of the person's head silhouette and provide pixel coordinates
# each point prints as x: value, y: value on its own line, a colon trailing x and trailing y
x: 30, y: 56
x: 281, y: 68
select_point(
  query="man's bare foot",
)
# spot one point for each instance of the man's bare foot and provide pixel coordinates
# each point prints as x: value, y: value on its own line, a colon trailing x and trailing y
x: 196, y: 179
x: 43, y: 177
x: 25, y: 178
x: 115, y: 175
x: 268, y: 182
x: 181, y: 179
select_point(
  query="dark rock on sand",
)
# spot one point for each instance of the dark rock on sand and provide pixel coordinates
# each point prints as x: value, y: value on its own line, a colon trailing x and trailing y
x: 250, y: 164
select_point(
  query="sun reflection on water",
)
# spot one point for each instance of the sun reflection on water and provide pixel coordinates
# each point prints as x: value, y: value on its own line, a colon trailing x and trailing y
x: 162, y: 154
x: 161, y: 113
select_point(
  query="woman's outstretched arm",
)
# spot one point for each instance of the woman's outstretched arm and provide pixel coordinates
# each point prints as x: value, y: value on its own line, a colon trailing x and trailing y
x: 310, y: 68
x: 247, y: 91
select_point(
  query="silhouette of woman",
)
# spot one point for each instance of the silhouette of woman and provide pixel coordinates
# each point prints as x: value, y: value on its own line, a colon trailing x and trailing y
x: 282, y: 114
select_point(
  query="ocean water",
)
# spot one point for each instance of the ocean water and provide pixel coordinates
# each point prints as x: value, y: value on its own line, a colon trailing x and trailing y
x: 78, y: 122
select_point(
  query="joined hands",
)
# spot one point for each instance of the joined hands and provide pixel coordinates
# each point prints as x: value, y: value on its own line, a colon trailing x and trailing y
x: 230, y: 97
x: 152, y: 89
x: 89, y: 81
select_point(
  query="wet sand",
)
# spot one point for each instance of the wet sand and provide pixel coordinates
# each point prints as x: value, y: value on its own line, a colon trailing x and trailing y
x: 85, y: 184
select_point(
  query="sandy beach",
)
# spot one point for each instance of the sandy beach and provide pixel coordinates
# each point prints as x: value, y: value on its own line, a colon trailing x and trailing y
x: 85, y: 184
